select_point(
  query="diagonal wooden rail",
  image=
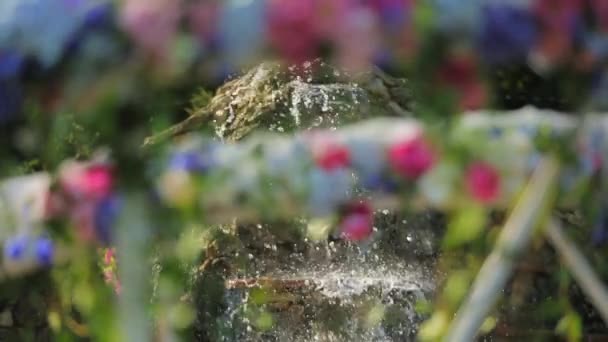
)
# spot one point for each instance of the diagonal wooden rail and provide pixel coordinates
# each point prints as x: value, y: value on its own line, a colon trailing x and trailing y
x: 579, y: 268
x: 514, y: 238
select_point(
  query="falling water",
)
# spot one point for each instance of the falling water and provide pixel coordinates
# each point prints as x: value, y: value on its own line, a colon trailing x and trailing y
x: 324, y: 291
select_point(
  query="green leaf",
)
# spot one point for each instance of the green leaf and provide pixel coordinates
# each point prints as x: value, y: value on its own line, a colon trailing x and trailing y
x: 570, y: 326
x: 264, y: 321
x: 466, y: 225
x: 434, y: 328
x: 457, y: 286
x: 488, y: 325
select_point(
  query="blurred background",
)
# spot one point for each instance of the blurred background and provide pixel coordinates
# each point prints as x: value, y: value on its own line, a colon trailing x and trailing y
x: 77, y: 73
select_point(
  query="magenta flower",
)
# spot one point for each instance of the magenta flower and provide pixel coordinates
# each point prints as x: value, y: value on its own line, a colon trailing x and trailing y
x: 411, y: 158
x: 332, y: 157
x: 291, y: 29
x: 97, y: 181
x: 483, y: 182
x: 87, y: 181
x: 357, y: 224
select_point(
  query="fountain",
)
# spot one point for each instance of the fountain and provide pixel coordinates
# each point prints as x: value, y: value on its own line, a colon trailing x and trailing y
x: 272, y: 282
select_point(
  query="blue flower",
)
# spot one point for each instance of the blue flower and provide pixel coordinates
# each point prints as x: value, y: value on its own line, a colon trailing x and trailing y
x: 11, y: 95
x: 506, y: 34
x: 99, y: 15
x: 14, y: 248
x: 599, y: 235
x: 45, y: 250
x: 105, y: 218
x: 381, y: 183
x: 11, y: 64
x: 393, y: 14
x: 190, y: 161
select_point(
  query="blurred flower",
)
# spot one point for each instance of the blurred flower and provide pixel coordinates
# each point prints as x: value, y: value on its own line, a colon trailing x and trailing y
x: 189, y: 161
x: 460, y: 74
x: 44, y: 251
x: 11, y: 63
x: 393, y: 13
x: 11, y: 96
x: 559, y: 20
x: 291, y: 29
x: 558, y: 15
x: 106, y: 213
x: 87, y: 181
x: 330, y: 16
x: 599, y: 235
x: 357, y: 40
x: 109, y: 256
x: 482, y: 182
x: 357, y: 223
x: 109, y: 266
x: 14, y: 247
x: 411, y: 158
x: 203, y: 18
x: 99, y: 14
x: 507, y: 33
x: 152, y: 24
x: 380, y: 182
x: 332, y: 156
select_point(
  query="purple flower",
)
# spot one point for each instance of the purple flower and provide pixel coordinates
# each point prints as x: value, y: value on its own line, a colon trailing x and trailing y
x: 393, y: 13
x: 45, y: 251
x: 14, y: 248
x: 381, y: 183
x: 105, y: 217
x: 507, y: 33
x: 98, y: 15
x: 190, y: 161
x: 599, y: 235
x: 11, y: 95
x: 11, y: 64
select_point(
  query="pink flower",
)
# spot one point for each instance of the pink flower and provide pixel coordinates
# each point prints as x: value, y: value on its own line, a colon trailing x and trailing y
x: 411, y: 158
x: 359, y: 25
x: 357, y: 224
x: 87, y: 182
x: 483, y: 182
x: 152, y: 24
x: 109, y: 255
x: 97, y: 181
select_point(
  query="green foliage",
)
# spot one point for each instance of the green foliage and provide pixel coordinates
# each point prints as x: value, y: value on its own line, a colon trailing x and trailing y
x: 465, y: 225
